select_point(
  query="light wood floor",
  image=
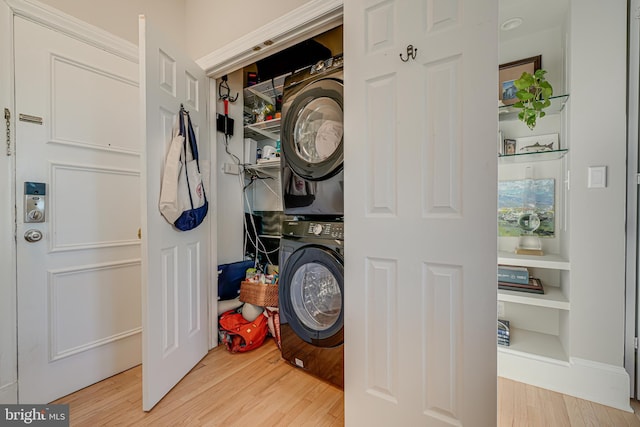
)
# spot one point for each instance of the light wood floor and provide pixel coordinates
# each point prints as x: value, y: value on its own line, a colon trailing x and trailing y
x: 260, y: 389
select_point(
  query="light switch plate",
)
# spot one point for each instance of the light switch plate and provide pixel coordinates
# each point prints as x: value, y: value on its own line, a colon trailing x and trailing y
x: 231, y: 168
x: 597, y: 177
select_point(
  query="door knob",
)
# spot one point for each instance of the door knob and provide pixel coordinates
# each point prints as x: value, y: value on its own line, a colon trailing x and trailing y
x: 32, y: 235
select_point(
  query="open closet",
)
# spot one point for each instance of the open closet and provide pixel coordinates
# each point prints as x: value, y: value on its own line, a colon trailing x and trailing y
x: 284, y: 163
x: 248, y: 169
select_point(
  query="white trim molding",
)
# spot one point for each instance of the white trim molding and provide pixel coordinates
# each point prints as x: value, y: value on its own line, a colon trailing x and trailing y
x: 304, y: 22
x: 59, y: 21
x: 585, y: 379
x: 8, y: 316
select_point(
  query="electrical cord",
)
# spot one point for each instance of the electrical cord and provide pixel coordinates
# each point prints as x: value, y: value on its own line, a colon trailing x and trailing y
x: 258, y: 244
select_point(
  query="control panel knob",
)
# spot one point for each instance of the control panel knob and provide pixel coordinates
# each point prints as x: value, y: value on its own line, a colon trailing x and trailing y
x: 33, y: 235
x: 317, y: 229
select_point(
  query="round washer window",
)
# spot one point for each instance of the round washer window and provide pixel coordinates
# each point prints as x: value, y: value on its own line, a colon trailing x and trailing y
x: 315, y: 296
x: 318, y: 130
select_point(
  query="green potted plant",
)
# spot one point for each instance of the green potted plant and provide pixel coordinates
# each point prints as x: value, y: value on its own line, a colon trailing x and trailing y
x: 533, y: 94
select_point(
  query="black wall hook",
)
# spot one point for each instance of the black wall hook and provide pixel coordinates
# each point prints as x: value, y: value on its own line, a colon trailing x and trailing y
x: 224, y: 90
x: 411, y: 53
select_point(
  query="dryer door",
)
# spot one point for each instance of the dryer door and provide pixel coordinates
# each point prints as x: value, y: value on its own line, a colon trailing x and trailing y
x: 311, y: 295
x: 312, y: 130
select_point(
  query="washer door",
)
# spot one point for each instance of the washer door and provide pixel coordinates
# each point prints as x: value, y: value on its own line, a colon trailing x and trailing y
x: 311, y: 295
x: 312, y: 130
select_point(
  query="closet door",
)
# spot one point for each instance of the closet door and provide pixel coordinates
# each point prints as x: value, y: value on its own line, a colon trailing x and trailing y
x: 176, y: 265
x: 420, y: 212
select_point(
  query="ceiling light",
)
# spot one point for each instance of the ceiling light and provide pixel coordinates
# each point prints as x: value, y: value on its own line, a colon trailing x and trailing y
x: 510, y: 24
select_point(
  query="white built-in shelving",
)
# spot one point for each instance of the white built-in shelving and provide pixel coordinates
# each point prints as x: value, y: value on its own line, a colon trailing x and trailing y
x: 553, y: 297
x: 535, y: 345
x: 553, y: 261
x: 539, y: 323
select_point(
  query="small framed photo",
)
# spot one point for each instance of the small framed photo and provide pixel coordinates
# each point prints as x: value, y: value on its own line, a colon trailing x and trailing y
x: 509, y: 147
x: 511, y: 71
x: 537, y: 143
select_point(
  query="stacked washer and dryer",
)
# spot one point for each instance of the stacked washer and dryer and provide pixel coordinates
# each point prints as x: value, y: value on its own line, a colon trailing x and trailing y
x: 311, y: 284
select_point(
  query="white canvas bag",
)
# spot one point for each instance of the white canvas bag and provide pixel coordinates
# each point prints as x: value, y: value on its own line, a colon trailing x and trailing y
x: 191, y: 191
x: 182, y: 185
x: 169, y: 206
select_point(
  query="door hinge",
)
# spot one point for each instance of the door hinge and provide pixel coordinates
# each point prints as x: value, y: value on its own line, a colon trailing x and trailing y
x: 635, y: 343
x: 638, y: 178
x: 7, y: 118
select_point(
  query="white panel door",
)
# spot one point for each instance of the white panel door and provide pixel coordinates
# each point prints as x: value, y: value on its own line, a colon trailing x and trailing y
x: 175, y: 263
x: 79, y: 316
x: 420, y: 212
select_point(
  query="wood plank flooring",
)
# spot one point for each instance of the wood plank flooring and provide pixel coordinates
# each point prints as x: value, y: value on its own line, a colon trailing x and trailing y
x: 260, y: 389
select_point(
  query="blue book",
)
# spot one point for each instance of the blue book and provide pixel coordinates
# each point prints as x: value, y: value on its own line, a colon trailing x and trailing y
x: 503, y: 332
x: 513, y: 275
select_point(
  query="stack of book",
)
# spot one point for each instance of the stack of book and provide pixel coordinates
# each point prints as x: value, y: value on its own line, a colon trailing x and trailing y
x: 503, y: 332
x: 517, y: 279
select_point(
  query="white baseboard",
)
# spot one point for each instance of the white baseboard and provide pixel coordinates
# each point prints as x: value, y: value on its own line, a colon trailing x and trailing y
x: 584, y: 379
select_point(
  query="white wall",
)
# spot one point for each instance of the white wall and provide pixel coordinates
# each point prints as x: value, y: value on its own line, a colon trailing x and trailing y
x: 547, y: 43
x: 214, y: 24
x: 229, y: 203
x: 597, y: 125
x: 8, y: 354
x: 120, y: 17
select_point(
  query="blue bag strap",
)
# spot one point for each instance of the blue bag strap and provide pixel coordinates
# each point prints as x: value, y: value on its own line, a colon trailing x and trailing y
x: 193, y: 145
x: 192, y: 141
x: 194, y: 149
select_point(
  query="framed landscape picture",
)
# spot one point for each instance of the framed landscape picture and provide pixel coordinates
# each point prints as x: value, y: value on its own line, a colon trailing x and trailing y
x: 515, y: 198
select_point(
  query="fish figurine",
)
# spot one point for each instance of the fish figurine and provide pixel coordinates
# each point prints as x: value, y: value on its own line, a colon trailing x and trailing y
x: 537, y: 147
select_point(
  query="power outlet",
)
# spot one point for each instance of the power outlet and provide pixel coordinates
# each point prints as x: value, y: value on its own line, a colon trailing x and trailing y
x: 500, y: 309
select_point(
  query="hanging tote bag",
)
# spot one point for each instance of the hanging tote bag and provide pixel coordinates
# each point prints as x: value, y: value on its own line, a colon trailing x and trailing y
x: 183, y: 200
x: 169, y: 206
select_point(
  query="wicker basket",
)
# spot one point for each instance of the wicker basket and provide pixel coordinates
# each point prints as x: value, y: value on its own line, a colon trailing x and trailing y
x: 259, y: 294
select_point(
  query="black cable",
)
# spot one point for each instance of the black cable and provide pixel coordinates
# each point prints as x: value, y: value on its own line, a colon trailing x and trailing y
x: 226, y: 148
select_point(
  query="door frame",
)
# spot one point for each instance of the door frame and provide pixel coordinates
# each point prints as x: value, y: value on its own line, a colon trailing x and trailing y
x: 306, y: 21
x: 8, y: 299
x: 632, y: 323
